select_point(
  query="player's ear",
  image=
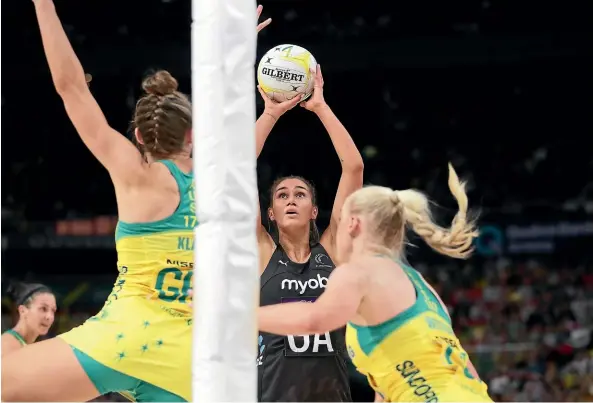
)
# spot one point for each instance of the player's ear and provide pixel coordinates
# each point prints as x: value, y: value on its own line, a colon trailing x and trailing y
x: 138, y: 136
x: 271, y: 214
x: 354, y: 226
x: 314, y: 213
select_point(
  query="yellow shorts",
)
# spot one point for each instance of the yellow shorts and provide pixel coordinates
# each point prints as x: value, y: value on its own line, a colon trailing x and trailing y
x: 145, y: 339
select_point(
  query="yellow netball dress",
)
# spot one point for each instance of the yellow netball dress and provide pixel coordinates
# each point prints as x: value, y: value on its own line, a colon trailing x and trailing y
x: 140, y: 342
x: 415, y: 356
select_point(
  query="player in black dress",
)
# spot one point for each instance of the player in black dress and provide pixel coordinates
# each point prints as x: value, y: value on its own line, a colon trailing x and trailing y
x: 295, y: 263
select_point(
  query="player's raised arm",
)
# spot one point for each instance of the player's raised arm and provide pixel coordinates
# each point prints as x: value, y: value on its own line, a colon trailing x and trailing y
x: 350, y: 158
x: 272, y: 112
x: 263, y: 127
x: 121, y: 158
x: 265, y: 22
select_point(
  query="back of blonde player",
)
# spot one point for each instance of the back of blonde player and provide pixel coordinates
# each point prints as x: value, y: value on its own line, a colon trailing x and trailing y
x: 399, y: 333
x: 419, y: 343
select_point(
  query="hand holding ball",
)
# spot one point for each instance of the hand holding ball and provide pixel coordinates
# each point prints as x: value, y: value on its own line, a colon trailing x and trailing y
x: 287, y: 71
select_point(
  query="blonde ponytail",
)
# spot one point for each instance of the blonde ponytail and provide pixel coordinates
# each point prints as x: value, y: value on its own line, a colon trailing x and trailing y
x: 455, y: 241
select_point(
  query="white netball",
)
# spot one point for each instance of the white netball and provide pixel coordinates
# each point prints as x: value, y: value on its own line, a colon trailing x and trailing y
x: 286, y: 71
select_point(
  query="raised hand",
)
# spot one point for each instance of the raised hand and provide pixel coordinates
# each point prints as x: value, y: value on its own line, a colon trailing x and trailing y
x: 316, y: 102
x: 277, y: 109
x: 264, y: 24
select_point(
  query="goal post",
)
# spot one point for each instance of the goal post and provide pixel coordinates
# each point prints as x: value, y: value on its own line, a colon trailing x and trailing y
x: 226, y: 255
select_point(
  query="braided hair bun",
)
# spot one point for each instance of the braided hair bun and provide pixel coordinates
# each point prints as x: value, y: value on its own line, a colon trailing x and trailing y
x: 163, y: 117
x: 160, y: 83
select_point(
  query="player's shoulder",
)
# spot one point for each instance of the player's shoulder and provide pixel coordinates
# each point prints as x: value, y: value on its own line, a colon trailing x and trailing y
x: 158, y: 175
x: 350, y: 266
x: 372, y: 261
x: 158, y: 170
x: 353, y: 271
x: 9, y: 343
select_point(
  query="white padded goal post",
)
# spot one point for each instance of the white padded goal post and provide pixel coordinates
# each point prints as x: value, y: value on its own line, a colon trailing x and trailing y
x: 226, y: 273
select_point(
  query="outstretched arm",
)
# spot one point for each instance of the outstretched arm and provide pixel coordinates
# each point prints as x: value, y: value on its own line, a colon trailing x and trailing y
x: 334, y: 308
x: 264, y: 23
x: 263, y: 128
x: 350, y: 158
x: 121, y: 158
x: 266, y: 122
x: 272, y: 111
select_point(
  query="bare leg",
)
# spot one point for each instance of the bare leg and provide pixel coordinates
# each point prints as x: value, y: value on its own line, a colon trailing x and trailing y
x: 47, y: 371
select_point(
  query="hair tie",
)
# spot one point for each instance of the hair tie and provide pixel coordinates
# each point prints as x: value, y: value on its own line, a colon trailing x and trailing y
x: 28, y: 295
x: 394, y: 197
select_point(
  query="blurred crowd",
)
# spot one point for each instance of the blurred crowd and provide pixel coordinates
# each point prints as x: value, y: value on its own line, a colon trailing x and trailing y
x: 526, y: 325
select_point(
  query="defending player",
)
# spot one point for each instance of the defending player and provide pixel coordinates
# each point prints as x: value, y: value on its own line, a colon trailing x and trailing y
x: 37, y: 308
x: 399, y: 332
x: 140, y: 341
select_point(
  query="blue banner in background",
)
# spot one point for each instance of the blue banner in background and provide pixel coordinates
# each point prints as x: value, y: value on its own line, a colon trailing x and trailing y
x: 540, y: 231
x: 537, y: 238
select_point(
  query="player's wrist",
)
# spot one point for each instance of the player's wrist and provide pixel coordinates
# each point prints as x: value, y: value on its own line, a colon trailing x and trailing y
x: 273, y: 114
x: 321, y: 109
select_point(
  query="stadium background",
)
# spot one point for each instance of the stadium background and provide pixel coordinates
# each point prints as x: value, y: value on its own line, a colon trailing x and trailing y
x: 500, y: 88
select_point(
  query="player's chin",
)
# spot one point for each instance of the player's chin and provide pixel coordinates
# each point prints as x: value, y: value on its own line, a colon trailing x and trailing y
x: 43, y: 329
x: 294, y: 221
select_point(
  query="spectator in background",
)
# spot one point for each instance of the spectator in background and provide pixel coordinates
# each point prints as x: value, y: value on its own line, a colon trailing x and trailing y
x: 36, y: 308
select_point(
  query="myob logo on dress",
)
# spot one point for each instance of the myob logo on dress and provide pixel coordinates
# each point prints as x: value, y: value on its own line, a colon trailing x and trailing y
x: 302, y: 286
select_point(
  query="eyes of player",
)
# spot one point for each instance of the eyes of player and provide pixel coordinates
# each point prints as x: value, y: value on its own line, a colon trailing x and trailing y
x: 284, y: 195
x: 45, y: 309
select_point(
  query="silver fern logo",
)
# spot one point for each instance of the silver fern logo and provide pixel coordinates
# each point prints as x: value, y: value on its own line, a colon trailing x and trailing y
x: 261, y: 348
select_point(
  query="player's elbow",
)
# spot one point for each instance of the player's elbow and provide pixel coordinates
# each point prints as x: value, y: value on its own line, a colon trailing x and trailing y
x: 354, y: 167
x: 67, y: 87
x: 63, y: 86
